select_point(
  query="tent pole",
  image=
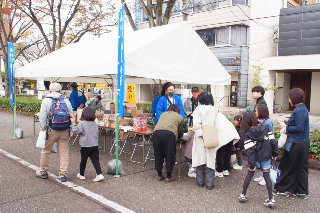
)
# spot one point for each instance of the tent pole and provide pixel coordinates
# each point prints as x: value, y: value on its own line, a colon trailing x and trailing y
x: 229, y: 102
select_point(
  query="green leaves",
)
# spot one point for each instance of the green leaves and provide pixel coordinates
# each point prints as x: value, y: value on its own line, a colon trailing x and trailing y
x: 314, y: 137
x: 146, y: 107
x: 22, y: 104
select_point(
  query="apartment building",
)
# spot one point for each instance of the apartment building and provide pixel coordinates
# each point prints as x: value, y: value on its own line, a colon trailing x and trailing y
x: 297, y: 63
x: 239, y: 33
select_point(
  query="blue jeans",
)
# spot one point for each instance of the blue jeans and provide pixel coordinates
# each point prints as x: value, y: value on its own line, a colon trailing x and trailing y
x: 263, y: 164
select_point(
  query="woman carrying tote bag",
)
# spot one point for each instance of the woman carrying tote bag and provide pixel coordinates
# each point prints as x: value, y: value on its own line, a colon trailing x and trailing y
x: 203, y: 158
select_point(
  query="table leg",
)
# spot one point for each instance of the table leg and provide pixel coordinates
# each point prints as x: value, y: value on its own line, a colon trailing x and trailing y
x: 180, y: 151
x: 105, y: 141
x: 143, y: 142
x: 34, y: 125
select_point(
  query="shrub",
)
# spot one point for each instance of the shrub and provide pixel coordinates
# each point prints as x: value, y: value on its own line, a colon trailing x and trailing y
x: 146, y: 107
x: 22, y: 104
x: 314, y: 137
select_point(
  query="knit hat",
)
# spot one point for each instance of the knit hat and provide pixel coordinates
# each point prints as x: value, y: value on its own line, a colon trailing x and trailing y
x: 54, y: 87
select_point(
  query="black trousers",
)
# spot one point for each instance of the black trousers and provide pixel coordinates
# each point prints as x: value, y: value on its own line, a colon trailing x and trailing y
x: 294, y: 170
x: 164, y: 143
x: 93, y: 153
x: 223, y: 157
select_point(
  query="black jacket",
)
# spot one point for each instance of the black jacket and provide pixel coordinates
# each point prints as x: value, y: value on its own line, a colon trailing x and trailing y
x: 259, y: 101
x: 242, y: 134
x: 260, y: 145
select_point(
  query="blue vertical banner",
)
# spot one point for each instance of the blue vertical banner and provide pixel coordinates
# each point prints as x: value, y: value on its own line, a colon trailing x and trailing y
x: 121, y: 73
x: 11, y: 71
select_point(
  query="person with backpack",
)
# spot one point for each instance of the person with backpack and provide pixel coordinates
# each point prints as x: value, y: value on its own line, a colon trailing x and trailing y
x: 77, y: 98
x: 55, y: 113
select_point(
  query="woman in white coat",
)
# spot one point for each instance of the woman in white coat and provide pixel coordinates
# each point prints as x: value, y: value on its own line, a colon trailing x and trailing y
x: 203, y: 158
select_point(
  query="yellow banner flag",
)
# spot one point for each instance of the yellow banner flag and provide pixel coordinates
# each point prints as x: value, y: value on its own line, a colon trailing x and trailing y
x: 131, y: 93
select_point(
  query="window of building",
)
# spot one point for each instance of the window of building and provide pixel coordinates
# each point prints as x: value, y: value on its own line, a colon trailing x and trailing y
x: 238, y: 35
x: 244, y: 2
x: 208, y: 36
x: 223, y: 36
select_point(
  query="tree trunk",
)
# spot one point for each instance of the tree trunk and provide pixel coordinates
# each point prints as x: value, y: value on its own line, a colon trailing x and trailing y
x: 6, y: 77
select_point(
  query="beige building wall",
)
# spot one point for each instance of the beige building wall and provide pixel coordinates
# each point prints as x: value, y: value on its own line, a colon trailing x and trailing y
x: 315, y: 91
x: 281, y: 96
x: 261, y: 43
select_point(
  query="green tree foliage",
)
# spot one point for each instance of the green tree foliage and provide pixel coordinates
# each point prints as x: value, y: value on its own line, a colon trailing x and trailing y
x: 257, y: 79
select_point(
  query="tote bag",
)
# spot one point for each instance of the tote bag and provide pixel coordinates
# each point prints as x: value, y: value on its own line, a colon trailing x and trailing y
x: 283, y: 137
x: 210, y: 135
x: 274, y: 173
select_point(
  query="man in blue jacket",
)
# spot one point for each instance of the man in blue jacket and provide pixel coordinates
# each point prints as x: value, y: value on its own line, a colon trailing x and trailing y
x: 166, y: 100
x: 77, y: 98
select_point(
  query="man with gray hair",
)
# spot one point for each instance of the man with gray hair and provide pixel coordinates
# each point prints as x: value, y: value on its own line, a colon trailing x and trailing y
x: 60, y: 136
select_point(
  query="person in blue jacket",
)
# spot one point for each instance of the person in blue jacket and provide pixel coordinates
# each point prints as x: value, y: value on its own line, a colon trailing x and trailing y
x: 156, y: 100
x: 166, y: 100
x: 77, y: 98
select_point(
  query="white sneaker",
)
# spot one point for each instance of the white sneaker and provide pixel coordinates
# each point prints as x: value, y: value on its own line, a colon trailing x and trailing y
x: 225, y: 173
x: 80, y: 176
x: 192, y: 170
x: 219, y: 174
x: 270, y: 203
x: 98, y: 178
x: 193, y: 175
x: 258, y: 179
x: 237, y: 167
x: 262, y: 183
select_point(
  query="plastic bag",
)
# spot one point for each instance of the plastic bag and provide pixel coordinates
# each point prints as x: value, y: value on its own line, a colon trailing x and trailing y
x: 111, y: 168
x: 41, y: 142
x: 18, y: 132
x: 55, y: 148
x: 283, y: 137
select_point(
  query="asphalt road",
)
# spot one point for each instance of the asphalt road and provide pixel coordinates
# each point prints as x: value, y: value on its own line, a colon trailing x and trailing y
x: 138, y: 190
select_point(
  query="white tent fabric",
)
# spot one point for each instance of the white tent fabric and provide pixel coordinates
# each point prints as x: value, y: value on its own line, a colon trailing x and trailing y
x: 172, y: 52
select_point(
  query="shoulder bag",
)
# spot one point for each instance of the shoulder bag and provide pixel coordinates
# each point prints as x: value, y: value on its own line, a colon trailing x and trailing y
x: 210, y: 135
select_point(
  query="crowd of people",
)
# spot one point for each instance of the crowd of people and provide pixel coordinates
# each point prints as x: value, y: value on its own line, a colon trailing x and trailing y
x: 252, y: 132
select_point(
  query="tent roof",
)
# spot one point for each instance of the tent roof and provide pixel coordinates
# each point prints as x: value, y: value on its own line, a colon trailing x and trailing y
x: 172, y: 52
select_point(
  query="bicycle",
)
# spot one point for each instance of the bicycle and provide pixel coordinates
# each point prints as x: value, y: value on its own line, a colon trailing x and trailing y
x: 277, y: 108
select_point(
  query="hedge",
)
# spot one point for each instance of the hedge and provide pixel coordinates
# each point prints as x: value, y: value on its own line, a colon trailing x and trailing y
x: 146, y: 107
x: 22, y: 104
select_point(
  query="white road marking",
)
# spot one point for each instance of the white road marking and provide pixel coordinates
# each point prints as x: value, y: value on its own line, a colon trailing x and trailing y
x: 73, y: 186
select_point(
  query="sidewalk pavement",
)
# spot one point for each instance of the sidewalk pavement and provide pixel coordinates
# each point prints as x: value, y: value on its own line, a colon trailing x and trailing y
x: 138, y: 190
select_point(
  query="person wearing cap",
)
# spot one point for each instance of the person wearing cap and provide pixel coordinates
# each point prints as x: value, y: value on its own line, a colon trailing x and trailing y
x: 77, y: 98
x: 95, y: 103
x: 191, y: 104
x: 59, y: 136
x: 166, y: 100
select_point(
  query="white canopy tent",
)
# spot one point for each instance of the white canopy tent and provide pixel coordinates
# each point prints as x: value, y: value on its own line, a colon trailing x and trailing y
x: 172, y: 52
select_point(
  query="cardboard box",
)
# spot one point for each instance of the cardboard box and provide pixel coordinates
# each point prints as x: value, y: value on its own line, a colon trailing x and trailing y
x: 79, y: 113
x: 139, y: 112
x: 100, y: 116
x: 120, y: 123
x: 130, y: 106
x: 75, y: 116
x: 123, y: 134
x: 112, y: 107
